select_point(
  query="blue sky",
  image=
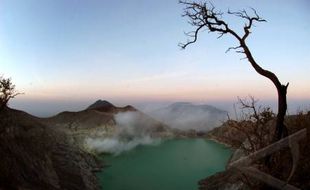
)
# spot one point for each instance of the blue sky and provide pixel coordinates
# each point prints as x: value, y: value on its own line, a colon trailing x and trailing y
x: 126, y: 51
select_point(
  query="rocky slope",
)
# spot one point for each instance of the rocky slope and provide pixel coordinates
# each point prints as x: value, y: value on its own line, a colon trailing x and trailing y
x: 232, y: 180
x: 226, y: 135
x: 34, y: 156
x: 98, y: 115
x: 104, y: 120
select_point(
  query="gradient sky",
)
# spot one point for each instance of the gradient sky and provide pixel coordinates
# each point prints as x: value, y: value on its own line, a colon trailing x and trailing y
x: 78, y: 50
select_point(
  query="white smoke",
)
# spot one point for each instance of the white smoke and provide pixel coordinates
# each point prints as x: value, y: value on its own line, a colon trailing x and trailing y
x: 186, y: 116
x: 117, y: 146
x: 132, y: 129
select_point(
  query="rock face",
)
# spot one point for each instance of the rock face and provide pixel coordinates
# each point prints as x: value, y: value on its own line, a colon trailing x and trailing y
x: 34, y: 156
x: 185, y: 116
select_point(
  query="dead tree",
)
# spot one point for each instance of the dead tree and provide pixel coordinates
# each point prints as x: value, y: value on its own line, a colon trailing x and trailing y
x: 204, y: 16
x: 7, y: 91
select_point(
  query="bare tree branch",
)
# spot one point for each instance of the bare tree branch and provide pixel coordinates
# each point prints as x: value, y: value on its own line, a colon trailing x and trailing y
x: 201, y: 16
x: 234, y: 48
x: 183, y: 46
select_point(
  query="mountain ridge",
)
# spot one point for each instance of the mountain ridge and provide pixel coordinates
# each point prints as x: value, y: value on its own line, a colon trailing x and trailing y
x: 100, y: 120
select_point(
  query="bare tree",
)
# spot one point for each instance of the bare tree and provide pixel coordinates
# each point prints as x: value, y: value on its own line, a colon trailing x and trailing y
x: 7, y: 91
x: 204, y: 16
x: 253, y: 124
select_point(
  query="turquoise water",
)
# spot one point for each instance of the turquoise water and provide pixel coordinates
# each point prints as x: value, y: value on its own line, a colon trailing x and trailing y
x: 172, y: 165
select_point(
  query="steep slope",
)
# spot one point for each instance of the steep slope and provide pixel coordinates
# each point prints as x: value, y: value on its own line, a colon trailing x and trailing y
x: 33, y: 156
x: 185, y: 115
x: 86, y: 119
x: 98, y: 115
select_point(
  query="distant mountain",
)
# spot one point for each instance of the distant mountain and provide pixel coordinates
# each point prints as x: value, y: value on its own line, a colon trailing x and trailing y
x: 105, y: 106
x: 103, y: 118
x: 100, y: 104
x: 185, y: 115
x: 99, y: 114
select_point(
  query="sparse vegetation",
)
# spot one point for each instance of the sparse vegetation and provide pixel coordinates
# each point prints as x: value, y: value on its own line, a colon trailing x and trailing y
x: 254, y: 124
x: 7, y: 91
x: 253, y: 131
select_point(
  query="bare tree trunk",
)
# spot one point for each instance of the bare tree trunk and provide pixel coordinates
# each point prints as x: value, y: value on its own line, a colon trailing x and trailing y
x: 281, y: 130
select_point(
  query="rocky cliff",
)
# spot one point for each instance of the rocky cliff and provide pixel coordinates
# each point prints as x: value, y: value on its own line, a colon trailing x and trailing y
x: 34, y: 156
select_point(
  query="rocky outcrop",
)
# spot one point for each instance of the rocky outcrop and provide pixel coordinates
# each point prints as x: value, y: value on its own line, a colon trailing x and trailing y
x: 227, y: 135
x: 34, y: 156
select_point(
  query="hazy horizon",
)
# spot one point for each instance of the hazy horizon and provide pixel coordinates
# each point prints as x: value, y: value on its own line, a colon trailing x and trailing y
x: 43, y: 108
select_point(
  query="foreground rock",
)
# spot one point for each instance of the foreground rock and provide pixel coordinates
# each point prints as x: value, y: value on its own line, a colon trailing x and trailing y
x: 36, y: 157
